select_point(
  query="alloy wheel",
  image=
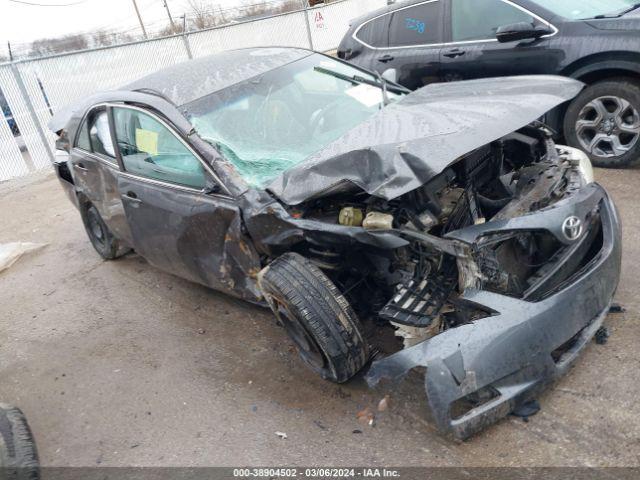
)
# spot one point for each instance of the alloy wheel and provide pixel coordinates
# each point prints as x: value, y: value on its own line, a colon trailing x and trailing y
x: 608, y: 127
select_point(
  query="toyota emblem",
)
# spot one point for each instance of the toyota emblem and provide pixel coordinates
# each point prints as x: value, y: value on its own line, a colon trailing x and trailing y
x: 572, y: 228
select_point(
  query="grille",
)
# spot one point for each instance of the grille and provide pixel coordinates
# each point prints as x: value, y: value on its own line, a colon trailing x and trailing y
x: 418, y: 303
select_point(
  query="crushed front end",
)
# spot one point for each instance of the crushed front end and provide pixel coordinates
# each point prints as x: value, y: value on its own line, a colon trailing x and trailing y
x: 510, y: 287
x: 494, y: 274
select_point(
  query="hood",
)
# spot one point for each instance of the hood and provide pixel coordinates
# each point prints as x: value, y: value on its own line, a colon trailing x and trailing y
x: 630, y: 21
x: 408, y: 143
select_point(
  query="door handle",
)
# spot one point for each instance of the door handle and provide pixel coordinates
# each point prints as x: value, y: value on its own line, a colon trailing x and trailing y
x: 385, y: 58
x: 80, y: 166
x: 456, y: 52
x: 132, y: 197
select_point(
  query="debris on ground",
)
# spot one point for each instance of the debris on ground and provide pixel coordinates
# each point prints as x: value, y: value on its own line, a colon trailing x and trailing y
x: 617, y: 308
x: 602, y: 335
x: 366, y: 417
x: 201, y: 331
x: 10, y: 253
x: 282, y: 435
x: 526, y: 410
x: 383, y: 405
x: 320, y: 425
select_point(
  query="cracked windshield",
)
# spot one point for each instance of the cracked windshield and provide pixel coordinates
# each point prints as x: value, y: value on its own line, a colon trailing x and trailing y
x: 275, y: 121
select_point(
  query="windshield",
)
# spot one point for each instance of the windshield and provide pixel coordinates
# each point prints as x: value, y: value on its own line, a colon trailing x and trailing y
x: 583, y: 9
x: 274, y: 121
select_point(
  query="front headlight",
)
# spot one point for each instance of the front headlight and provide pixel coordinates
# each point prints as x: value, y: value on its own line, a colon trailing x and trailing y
x: 580, y: 160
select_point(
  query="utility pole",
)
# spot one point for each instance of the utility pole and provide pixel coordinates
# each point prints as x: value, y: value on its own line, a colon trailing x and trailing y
x: 10, y: 52
x: 173, y: 25
x: 144, y: 30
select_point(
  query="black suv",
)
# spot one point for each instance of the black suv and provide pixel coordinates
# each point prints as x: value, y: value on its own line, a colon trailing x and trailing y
x: 595, y: 41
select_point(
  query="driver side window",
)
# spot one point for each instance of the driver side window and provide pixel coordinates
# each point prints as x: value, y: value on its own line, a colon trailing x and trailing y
x: 480, y: 19
x: 151, y: 150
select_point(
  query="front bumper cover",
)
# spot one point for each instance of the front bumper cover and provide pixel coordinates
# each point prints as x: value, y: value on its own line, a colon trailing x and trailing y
x: 511, y: 351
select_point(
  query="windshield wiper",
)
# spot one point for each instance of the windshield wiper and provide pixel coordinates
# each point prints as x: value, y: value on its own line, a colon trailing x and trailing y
x: 358, y: 80
x: 630, y: 9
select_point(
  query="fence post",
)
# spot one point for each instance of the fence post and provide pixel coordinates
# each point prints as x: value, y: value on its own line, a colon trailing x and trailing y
x: 185, y: 37
x: 305, y: 4
x: 32, y: 114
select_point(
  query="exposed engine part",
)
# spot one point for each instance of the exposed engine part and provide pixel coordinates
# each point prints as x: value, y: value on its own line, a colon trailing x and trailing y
x: 350, y: 217
x: 378, y: 221
x: 414, y: 335
x: 324, y: 259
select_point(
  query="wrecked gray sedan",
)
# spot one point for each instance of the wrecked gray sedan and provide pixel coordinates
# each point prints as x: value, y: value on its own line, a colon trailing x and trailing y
x: 353, y: 208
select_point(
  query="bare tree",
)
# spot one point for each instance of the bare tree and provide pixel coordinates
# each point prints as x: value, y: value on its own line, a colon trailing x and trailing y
x: 102, y: 38
x: 171, y: 30
x: 51, y: 46
x: 201, y: 14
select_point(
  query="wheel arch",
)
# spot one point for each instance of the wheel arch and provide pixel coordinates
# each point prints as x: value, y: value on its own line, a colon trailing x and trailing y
x: 600, y: 66
x: 592, y: 69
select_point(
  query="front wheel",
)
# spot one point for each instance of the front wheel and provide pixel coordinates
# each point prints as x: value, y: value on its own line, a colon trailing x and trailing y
x: 18, y: 454
x: 604, y: 121
x: 317, y: 317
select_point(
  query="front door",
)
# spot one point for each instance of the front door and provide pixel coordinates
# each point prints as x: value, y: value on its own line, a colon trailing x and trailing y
x: 178, y: 221
x: 473, y: 50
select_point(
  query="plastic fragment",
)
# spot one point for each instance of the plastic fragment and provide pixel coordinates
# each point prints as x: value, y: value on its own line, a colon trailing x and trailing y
x: 383, y: 404
x: 10, y: 253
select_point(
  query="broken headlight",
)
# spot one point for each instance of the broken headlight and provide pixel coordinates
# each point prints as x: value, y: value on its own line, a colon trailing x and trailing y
x: 580, y: 161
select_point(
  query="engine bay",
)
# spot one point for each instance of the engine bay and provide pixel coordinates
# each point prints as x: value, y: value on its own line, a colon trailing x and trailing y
x: 417, y: 289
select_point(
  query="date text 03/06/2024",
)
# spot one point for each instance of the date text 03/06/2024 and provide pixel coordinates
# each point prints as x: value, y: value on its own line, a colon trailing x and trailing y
x: 316, y: 473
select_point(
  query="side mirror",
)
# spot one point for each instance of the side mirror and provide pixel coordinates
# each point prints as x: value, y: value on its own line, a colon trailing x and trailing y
x: 391, y: 75
x: 521, y: 31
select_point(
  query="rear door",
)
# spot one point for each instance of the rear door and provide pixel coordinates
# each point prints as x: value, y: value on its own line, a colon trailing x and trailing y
x: 95, y: 169
x: 416, y: 34
x: 472, y: 50
x: 179, y: 214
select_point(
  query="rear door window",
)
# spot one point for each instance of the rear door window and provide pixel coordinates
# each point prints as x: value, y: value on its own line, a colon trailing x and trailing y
x: 100, y: 134
x: 151, y: 150
x: 480, y: 19
x: 82, y: 141
x: 375, y: 33
x: 420, y: 24
x: 95, y: 135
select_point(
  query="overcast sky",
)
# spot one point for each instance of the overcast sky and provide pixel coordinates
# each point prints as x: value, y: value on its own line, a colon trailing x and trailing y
x: 20, y: 23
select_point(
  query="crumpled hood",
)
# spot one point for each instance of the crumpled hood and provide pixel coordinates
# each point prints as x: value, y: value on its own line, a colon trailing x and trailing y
x: 406, y: 144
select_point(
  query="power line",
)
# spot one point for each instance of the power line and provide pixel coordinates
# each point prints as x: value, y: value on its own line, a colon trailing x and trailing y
x: 32, y: 4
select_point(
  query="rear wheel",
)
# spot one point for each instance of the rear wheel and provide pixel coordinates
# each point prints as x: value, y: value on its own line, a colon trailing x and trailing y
x: 604, y: 121
x: 318, y: 318
x: 18, y: 454
x: 104, y: 242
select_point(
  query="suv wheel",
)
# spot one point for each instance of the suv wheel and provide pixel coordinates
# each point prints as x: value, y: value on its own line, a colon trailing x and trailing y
x: 604, y: 121
x: 317, y: 317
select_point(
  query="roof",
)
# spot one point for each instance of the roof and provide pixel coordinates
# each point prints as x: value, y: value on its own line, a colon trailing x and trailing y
x: 188, y: 81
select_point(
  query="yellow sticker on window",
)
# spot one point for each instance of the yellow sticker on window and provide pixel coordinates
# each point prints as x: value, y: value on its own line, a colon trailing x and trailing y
x: 147, y: 141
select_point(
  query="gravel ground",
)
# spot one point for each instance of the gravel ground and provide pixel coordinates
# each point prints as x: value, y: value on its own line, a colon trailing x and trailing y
x: 119, y: 364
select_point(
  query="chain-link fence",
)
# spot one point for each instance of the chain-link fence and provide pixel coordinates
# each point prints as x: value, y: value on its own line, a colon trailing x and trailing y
x: 34, y: 89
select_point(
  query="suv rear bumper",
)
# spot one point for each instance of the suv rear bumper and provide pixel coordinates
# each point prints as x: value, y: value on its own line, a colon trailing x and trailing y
x: 513, y: 355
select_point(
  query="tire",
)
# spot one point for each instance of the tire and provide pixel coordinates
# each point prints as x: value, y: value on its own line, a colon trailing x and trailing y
x: 104, y: 242
x: 18, y: 453
x: 316, y: 316
x: 604, y: 121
